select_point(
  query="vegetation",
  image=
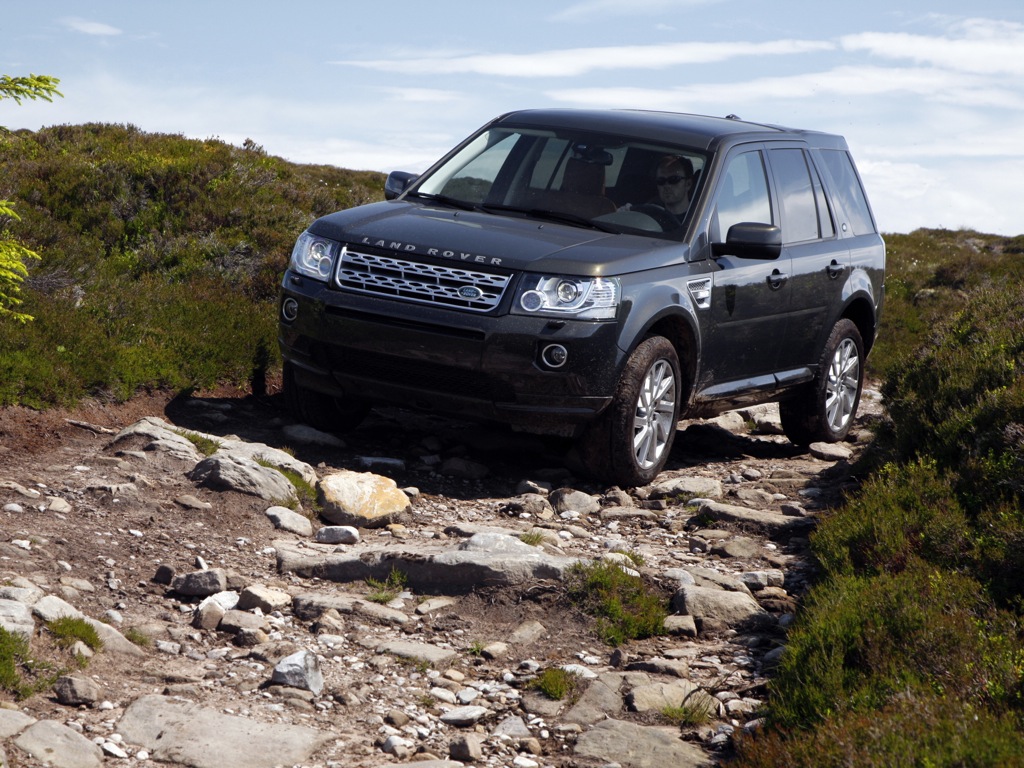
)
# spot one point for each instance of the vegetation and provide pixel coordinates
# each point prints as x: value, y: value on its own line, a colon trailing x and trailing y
x: 22, y: 675
x: 385, y: 591
x: 14, y: 255
x: 625, y: 607
x: 161, y: 258
x: 68, y: 630
x: 558, y: 684
x: 910, y: 649
x: 207, y: 446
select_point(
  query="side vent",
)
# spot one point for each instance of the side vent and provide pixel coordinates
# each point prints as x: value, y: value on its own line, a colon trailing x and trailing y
x: 700, y: 292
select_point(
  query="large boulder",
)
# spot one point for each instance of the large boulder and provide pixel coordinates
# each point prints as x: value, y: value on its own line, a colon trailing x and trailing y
x: 361, y: 499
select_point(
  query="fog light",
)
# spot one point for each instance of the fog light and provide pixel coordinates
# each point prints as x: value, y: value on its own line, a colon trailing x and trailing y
x: 289, y: 310
x: 554, y: 355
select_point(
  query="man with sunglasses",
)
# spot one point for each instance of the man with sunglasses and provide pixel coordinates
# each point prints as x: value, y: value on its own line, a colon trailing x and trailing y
x: 674, y: 179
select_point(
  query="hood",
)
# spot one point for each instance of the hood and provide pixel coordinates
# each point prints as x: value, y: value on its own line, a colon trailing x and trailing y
x: 490, y: 240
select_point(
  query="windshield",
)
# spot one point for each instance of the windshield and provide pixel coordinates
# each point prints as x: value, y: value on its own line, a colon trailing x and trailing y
x: 612, y: 183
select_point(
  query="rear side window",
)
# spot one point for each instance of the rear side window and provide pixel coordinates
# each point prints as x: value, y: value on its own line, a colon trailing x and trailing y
x: 849, y: 191
x: 805, y: 214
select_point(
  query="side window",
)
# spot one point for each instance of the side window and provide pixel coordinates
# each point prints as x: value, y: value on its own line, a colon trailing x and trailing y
x: 848, y: 190
x: 805, y: 214
x: 743, y: 195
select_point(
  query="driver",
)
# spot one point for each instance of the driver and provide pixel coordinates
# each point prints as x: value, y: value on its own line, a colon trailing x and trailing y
x: 674, y: 179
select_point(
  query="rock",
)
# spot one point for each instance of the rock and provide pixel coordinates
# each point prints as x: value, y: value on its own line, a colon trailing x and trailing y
x: 303, y: 434
x: 73, y: 690
x: 266, y: 599
x: 462, y: 717
x: 200, y: 583
x: 300, y: 670
x: 528, y: 632
x: 464, y: 468
x: 635, y: 746
x: 569, y: 500
x: 773, y: 524
x: 338, y: 534
x: 830, y: 451
x: 231, y: 472
x: 288, y: 520
x: 16, y: 617
x: 419, y: 652
x: 735, y: 609
x: 467, y: 747
x: 58, y: 746
x: 187, y: 734
x: 361, y: 499
x: 686, y: 488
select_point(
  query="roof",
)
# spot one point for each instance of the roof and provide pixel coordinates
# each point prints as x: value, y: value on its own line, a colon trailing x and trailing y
x: 698, y: 131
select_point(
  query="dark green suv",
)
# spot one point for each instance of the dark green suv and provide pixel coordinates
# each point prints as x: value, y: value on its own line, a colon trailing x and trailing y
x: 598, y: 275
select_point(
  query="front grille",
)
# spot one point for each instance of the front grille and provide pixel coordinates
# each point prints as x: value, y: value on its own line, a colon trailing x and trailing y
x: 420, y: 282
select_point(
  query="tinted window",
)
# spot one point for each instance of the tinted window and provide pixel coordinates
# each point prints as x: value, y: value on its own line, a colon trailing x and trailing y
x: 743, y: 196
x: 805, y: 214
x: 848, y: 190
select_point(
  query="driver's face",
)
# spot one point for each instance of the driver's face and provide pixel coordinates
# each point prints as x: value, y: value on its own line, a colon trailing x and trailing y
x: 673, y: 188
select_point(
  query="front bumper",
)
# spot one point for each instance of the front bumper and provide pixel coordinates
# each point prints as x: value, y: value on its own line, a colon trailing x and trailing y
x: 480, y: 366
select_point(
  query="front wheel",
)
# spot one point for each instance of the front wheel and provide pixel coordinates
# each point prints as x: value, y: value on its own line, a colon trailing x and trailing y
x: 321, y: 410
x: 825, y: 411
x: 630, y: 442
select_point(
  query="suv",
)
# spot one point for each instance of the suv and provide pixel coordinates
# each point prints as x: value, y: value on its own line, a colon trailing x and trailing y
x: 536, y: 276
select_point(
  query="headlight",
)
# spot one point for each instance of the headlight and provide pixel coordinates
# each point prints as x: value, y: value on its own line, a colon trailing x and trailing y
x: 581, y: 298
x: 314, y: 256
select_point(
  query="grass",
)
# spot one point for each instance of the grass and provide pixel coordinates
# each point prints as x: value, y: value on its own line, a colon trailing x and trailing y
x: 533, y: 538
x: 624, y: 606
x: 207, y: 446
x: 305, y: 494
x: 688, y: 715
x: 558, y: 684
x: 22, y: 675
x: 68, y: 630
x: 385, y: 591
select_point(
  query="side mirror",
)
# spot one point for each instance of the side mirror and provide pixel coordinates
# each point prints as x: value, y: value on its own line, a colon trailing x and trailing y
x: 751, y: 240
x: 397, y: 183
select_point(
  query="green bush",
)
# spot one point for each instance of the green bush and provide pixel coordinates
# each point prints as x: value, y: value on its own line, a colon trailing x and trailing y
x: 919, y: 730
x: 900, y: 514
x: 161, y: 258
x: 558, y: 684
x: 625, y: 607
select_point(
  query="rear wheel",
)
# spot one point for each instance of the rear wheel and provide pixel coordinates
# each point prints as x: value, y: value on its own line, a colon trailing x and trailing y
x: 321, y: 410
x: 825, y: 411
x: 630, y: 442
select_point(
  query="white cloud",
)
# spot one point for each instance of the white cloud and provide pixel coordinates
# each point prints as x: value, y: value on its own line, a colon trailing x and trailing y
x: 601, y: 8
x: 89, y: 27
x: 429, y: 95
x: 579, y: 61
x: 982, y: 47
x: 845, y: 82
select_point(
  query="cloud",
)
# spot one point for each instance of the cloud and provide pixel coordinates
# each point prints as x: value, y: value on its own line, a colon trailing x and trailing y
x: 591, y: 9
x: 429, y: 95
x: 89, y: 27
x: 579, y: 61
x: 983, y: 46
x: 846, y: 82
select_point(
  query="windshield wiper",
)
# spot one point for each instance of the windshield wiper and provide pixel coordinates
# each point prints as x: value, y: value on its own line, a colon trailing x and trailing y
x: 454, y: 202
x: 559, y: 216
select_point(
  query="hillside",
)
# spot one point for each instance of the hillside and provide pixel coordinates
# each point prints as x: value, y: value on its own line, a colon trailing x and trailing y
x: 160, y: 257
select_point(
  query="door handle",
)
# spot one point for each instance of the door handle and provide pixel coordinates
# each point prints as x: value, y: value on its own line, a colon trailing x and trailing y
x: 777, y: 279
x: 835, y: 269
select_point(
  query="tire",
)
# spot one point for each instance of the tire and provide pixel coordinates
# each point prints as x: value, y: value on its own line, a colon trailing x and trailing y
x: 824, y: 412
x: 630, y: 442
x: 321, y: 410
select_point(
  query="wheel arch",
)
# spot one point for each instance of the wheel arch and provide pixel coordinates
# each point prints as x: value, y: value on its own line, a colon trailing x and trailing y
x: 679, y: 330
x: 861, y: 313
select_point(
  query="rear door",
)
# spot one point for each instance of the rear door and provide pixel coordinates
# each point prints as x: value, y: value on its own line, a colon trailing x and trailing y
x: 819, y: 260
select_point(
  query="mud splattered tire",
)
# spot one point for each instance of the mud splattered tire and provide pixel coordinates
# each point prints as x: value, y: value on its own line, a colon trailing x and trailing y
x: 630, y: 443
x: 824, y: 412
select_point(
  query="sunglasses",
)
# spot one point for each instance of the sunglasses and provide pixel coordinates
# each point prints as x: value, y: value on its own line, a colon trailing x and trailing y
x: 671, y: 179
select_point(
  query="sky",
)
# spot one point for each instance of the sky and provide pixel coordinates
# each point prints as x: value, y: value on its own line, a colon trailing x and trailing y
x: 928, y: 93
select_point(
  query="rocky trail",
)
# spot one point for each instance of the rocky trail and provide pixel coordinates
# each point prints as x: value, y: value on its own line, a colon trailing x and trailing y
x: 409, y: 620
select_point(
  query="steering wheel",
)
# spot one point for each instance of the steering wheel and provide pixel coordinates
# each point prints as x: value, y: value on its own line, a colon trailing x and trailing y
x: 664, y: 217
